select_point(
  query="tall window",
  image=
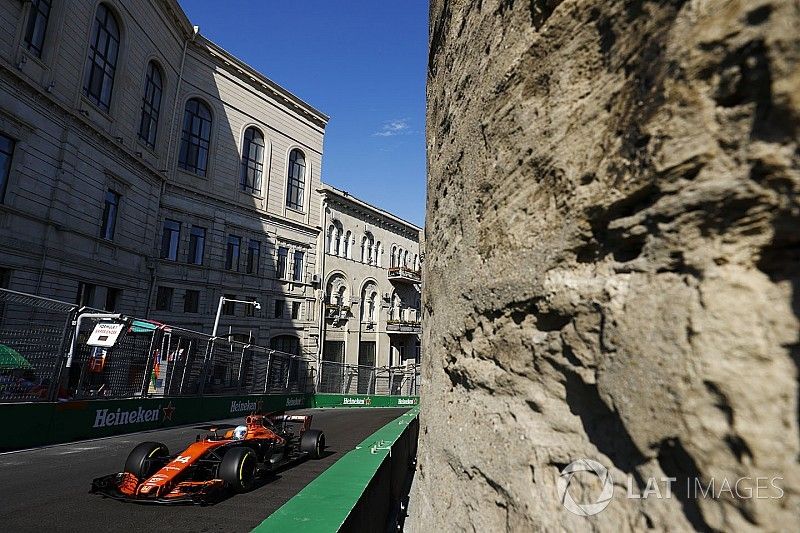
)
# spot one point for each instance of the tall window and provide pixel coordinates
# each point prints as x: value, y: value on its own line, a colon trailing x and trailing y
x: 98, y: 78
x: 279, y: 307
x: 252, y: 160
x: 191, y: 301
x: 297, y: 266
x: 110, y: 215
x: 348, y: 248
x: 197, y: 245
x: 112, y: 299
x: 283, y: 257
x: 6, y: 151
x: 253, y: 253
x: 195, y: 138
x: 250, y: 310
x: 164, y: 298
x: 229, y: 308
x: 295, y: 310
x: 85, y: 296
x: 378, y: 253
x: 232, y: 256
x: 295, y: 189
x: 151, y: 104
x: 37, y: 26
x: 170, y: 239
x: 285, y: 343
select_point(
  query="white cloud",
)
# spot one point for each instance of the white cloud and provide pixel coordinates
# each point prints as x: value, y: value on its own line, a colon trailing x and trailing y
x: 390, y: 128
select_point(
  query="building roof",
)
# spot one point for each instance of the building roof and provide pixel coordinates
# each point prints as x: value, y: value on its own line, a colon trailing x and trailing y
x: 329, y: 190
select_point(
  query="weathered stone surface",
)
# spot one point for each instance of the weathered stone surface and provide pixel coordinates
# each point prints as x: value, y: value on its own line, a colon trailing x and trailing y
x: 613, y: 258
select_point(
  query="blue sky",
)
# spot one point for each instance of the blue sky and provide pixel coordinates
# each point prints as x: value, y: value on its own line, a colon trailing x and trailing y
x: 363, y: 63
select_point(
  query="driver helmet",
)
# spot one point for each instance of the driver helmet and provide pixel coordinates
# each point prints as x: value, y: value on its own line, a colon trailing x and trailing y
x: 240, y: 432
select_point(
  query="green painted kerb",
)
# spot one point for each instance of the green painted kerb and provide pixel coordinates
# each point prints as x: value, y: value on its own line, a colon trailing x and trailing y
x: 325, y: 503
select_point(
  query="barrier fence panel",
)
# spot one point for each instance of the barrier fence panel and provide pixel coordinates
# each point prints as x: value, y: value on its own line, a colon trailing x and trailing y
x: 155, y: 360
x: 33, y: 334
x: 341, y: 378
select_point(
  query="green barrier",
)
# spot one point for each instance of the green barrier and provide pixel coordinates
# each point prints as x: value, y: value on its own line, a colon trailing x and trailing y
x: 360, y: 480
x: 364, y: 400
x: 37, y: 424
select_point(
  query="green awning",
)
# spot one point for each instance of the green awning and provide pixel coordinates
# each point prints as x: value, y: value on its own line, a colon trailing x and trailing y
x: 11, y: 359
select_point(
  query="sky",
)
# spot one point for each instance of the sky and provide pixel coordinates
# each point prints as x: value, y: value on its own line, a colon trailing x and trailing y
x: 361, y: 62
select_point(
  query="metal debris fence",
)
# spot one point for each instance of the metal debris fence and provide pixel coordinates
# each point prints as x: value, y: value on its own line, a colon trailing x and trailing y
x: 156, y: 360
x: 153, y: 360
x: 341, y: 378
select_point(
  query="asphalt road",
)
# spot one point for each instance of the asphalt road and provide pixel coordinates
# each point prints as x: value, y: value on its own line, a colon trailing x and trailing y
x: 46, y: 489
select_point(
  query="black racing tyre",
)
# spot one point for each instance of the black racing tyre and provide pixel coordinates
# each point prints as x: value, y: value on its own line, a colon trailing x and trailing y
x: 145, y: 459
x: 238, y: 468
x: 313, y: 443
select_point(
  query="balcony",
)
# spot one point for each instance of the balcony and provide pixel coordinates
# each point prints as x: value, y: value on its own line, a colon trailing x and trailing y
x: 405, y: 275
x: 404, y: 326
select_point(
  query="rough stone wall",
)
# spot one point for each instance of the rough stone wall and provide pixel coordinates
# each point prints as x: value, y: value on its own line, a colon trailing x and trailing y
x: 613, y: 258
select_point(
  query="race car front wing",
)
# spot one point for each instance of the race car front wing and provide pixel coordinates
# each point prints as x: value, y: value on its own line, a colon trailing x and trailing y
x: 123, y: 486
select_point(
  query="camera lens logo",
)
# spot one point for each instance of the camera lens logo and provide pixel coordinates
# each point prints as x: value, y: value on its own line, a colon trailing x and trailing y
x: 585, y: 509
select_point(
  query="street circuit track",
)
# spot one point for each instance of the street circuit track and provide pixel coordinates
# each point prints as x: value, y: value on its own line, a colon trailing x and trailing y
x: 47, y: 489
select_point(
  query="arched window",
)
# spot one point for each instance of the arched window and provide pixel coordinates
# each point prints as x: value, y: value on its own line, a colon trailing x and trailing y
x: 416, y: 263
x: 378, y: 253
x: 405, y: 258
x: 368, y: 248
x: 285, y: 343
x: 348, y: 245
x: 329, y: 238
x: 151, y: 104
x: 98, y: 77
x: 252, y: 160
x: 296, y: 185
x: 369, y: 298
x: 393, y: 260
x: 196, y: 138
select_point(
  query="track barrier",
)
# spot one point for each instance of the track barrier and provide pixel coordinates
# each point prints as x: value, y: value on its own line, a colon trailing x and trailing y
x: 362, y: 491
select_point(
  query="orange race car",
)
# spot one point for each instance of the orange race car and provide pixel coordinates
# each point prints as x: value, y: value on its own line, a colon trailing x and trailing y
x: 214, y: 464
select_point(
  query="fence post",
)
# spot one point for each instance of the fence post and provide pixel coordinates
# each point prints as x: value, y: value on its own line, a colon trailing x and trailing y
x: 66, y: 337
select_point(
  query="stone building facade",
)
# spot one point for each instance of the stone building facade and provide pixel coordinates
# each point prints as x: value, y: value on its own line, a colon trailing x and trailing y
x: 145, y: 170
x: 371, y: 272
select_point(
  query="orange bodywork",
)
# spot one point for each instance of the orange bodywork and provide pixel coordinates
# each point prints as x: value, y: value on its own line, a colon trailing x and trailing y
x: 164, y: 483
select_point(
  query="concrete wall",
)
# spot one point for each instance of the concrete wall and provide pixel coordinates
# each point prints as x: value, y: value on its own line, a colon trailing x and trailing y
x: 69, y: 152
x: 612, y: 237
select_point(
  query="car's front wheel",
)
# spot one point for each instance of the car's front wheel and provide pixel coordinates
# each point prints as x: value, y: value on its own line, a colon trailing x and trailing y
x: 238, y: 468
x: 145, y: 459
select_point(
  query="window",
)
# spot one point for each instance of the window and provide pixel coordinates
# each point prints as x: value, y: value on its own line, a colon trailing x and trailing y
x: 297, y: 267
x: 279, y: 306
x: 283, y: 256
x: 393, y: 260
x: 252, y: 160
x: 253, y: 253
x: 191, y: 301
x: 378, y: 253
x: 295, y: 189
x: 232, y: 256
x: 164, y: 298
x: 348, y: 248
x: 295, y: 310
x: 286, y: 344
x: 112, y: 299
x: 110, y: 215
x: 250, y: 309
x: 229, y: 308
x: 6, y: 151
x: 367, y: 248
x: 151, y: 104
x: 170, y: 239
x: 197, y: 245
x: 5, y: 282
x: 98, y: 78
x: 195, y: 138
x: 37, y: 26
x: 85, y: 296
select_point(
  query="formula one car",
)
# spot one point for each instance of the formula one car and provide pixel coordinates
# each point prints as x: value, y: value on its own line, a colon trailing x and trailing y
x: 215, y: 464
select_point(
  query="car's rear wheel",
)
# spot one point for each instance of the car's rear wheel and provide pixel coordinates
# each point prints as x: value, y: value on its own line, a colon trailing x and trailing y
x: 313, y: 443
x: 145, y: 459
x: 238, y: 468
